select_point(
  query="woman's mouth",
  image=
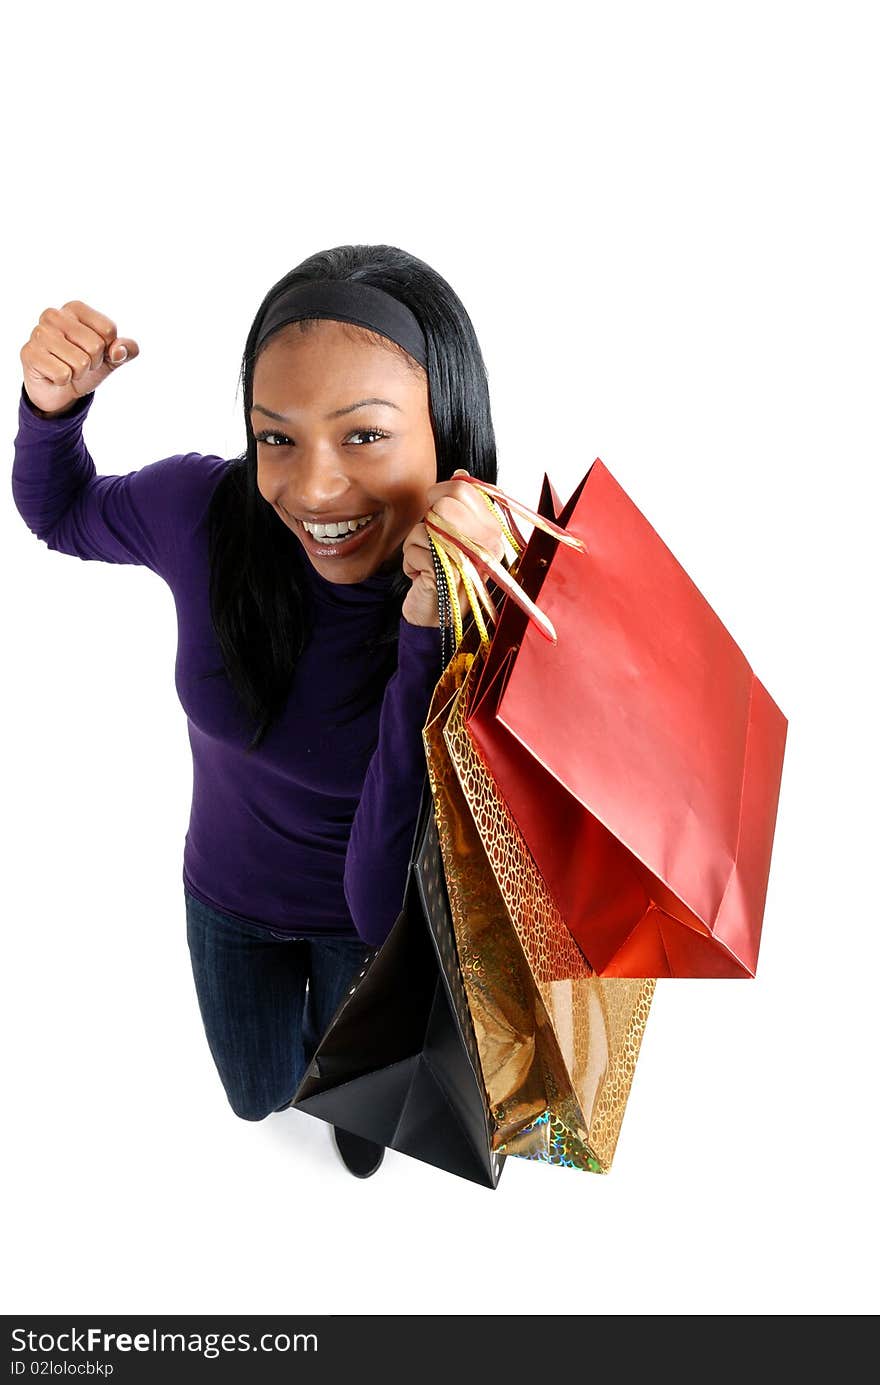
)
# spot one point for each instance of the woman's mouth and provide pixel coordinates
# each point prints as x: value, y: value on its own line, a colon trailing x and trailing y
x: 342, y: 544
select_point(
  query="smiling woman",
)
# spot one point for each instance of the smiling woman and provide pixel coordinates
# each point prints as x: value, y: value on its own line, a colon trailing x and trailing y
x: 308, y: 632
x: 389, y: 317
x: 350, y: 502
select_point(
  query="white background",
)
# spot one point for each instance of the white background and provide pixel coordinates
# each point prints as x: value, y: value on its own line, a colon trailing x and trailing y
x: 663, y: 222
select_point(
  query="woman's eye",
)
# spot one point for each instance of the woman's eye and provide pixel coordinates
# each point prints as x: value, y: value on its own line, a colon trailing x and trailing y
x: 365, y: 432
x: 269, y: 434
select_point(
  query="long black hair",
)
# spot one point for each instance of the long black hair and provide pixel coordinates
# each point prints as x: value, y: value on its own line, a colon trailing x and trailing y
x: 260, y: 605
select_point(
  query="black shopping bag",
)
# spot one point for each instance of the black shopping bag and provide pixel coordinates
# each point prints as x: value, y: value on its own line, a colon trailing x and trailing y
x: 398, y: 1063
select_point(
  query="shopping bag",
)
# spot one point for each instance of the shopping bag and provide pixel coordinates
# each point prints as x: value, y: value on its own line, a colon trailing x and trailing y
x: 638, y: 752
x: 398, y: 1062
x: 557, y: 1045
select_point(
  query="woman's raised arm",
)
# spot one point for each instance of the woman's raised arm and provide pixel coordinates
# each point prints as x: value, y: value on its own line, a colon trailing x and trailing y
x: 142, y: 517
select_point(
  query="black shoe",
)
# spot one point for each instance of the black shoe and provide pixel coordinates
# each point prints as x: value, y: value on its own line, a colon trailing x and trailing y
x: 361, y: 1157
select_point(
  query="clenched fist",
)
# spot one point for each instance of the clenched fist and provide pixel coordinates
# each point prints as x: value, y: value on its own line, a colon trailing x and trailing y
x: 69, y: 353
x: 460, y: 504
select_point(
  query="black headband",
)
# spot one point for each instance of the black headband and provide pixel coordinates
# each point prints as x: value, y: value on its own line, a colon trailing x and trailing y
x: 348, y: 300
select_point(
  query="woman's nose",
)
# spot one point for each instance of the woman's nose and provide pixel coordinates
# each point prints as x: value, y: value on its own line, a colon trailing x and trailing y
x: 316, y: 483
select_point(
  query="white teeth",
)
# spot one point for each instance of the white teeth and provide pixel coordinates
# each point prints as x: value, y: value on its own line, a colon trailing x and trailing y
x: 333, y: 531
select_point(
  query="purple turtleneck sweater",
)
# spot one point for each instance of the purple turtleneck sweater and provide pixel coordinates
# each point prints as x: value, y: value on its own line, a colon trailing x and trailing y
x: 311, y: 833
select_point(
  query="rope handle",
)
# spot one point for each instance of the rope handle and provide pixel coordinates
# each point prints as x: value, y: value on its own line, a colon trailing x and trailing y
x: 450, y: 547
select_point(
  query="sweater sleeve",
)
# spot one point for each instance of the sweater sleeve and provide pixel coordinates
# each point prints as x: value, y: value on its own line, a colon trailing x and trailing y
x: 383, y: 829
x: 140, y: 517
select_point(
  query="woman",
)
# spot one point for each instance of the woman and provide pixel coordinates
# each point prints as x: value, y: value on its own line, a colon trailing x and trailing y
x: 308, y: 630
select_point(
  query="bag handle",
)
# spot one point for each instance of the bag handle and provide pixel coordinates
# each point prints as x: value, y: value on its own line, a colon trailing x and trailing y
x: 451, y: 547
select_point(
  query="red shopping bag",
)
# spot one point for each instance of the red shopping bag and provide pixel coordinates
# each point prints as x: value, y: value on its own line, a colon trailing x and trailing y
x: 639, y: 754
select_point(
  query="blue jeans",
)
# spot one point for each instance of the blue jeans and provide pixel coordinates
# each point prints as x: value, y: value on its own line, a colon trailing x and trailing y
x: 266, y: 1000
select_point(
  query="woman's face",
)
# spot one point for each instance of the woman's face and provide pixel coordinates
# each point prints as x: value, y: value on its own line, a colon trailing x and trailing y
x: 343, y: 431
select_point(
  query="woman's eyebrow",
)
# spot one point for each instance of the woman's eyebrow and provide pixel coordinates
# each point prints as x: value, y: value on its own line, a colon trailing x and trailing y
x: 337, y: 413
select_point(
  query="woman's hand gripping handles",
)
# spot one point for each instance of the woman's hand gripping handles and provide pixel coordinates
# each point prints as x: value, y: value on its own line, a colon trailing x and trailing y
x: 471, y: 525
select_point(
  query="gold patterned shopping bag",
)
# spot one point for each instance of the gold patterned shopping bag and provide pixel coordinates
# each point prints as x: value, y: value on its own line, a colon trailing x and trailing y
x: 557, y: 1045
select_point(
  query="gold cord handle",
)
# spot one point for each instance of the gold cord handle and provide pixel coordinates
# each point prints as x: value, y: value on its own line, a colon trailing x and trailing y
x: 456, y: 550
